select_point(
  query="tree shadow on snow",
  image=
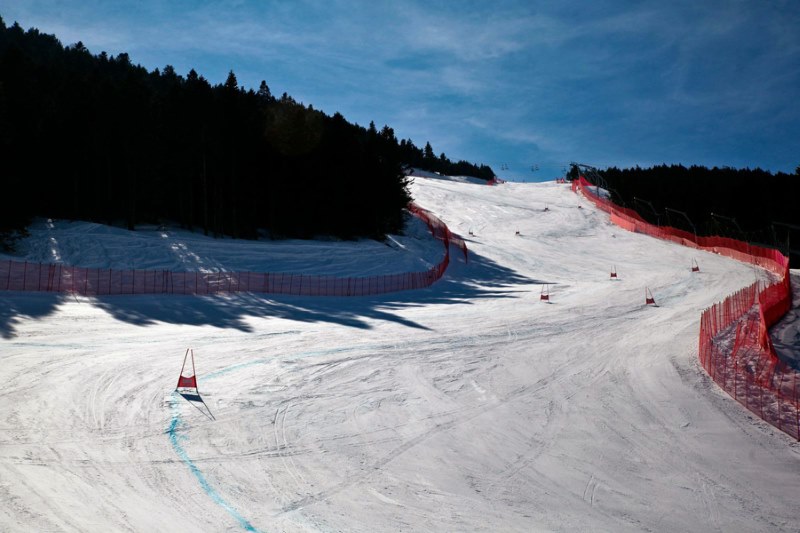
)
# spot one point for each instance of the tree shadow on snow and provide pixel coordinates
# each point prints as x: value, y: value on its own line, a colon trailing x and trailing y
x: 463, y: 283
x: 16, y: 307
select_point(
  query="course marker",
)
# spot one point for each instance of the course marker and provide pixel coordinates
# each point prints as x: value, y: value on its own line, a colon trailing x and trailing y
x: 648, y: 297
x: 188, y: 382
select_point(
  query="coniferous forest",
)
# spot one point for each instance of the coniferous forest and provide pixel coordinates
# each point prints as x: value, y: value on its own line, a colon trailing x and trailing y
x: 97, y: 137
x: 748, y: 204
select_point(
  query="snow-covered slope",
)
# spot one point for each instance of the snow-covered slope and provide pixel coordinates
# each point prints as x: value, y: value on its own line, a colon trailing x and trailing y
x: 92, y: 245
x: 469, y: 406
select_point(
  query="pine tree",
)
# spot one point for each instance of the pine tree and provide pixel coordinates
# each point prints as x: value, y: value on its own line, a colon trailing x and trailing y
x: 428, y: 154
x: 230, y: 83
x: 264, y: 94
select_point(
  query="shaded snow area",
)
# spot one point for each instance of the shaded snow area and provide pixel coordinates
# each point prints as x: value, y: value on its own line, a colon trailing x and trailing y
x: 469, y: 406
x: 92, y: 245
x: 419, y: 173
x: 786, y: 334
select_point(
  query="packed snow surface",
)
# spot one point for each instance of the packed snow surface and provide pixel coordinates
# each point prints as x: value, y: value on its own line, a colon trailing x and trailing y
x: 469, y: 406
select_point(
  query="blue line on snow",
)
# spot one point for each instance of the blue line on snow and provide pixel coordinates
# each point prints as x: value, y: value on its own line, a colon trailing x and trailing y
x: 233, y: 368
x: 175, y: 438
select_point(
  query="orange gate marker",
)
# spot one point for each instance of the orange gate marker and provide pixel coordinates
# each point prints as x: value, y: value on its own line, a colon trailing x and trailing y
x: 545, y: 295
x: 187, y: 382
x: 648, y: 297
x: 695, y: 266
x: 614, y: 272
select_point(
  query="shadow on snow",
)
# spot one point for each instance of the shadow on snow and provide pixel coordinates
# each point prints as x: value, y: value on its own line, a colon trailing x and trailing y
x: 16, y: 307
x: 462, y: 283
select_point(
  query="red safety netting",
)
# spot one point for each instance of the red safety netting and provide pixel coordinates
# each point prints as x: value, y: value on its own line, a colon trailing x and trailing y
x: 734, y: 344
x: 24, y: 276
x: 439, y: 229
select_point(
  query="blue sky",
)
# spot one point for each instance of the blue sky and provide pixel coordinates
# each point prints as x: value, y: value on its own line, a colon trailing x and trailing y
x: 521, y: 83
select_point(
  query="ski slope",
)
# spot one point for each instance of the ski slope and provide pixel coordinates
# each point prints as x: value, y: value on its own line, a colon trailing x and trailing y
x: 469, y: 406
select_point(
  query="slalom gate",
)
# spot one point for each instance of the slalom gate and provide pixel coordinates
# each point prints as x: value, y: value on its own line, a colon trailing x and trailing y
x: 39, y: 277
x: 734, y: 345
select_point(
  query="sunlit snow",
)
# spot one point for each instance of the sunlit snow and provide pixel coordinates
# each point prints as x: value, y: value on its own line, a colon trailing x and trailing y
x: 469, y: 406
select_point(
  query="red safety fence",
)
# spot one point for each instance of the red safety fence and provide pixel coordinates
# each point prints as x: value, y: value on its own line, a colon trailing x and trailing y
x: 734, y: 344
x: 439, y: 229
x: 24, y: 276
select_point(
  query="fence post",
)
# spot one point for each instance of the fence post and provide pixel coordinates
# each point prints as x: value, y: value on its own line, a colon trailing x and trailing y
x: 796, y: 406
x: 735, y: 357
x: 780, y: 403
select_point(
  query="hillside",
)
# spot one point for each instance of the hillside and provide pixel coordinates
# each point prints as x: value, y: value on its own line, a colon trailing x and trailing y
x: 469, y: 406
x: 100, y: 138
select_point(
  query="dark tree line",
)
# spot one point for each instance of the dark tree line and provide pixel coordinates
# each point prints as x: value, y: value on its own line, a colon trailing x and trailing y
x: 95, y: 137
x: 748, y: 204
x: 426, y: 159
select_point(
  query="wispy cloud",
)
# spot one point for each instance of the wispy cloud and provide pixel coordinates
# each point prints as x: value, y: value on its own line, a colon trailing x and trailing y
x: 597, y: 80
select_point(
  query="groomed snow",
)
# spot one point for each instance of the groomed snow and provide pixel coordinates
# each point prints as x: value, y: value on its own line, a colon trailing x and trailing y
x: 92, y: 245
x: 469, y: 406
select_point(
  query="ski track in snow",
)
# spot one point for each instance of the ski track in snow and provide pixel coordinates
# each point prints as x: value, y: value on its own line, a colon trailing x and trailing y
x: 469, y: 406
